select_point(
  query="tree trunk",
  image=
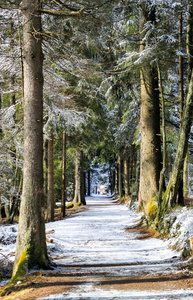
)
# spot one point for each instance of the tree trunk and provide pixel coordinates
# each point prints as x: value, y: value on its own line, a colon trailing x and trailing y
x: 84, y: 179
x: 45, y: 157
x: 31, y: 247
x: 64, y: 177
x: 126, y: 172
x: 2, y: 209
x: 21, y: 60
x: 50, y: 199
x: 15, y: 207
x: 174, y: 181
x: 162, y: 173
x: 150, y: 163
x: 113, y: 181
x: 181, y: 98
x: 0, y: 206
x: 190, y: 40
x: 110, y: 187
x: 12, y: 199
x: 181, y: 79
x: 0, y: 140
x: 73, y: 185
x: 137, y: 170
x: 120, y: 177
x: 131, y: 167
x: 82, y: 185
x: 116, y: 180
x: 185, y: 176
x: 1, y: 132
x: 79, y: 197
x: 88, y: 173
x: 190, y: 67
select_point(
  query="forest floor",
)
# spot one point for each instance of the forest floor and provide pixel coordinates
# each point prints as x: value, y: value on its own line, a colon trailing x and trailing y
x: 101, y: 252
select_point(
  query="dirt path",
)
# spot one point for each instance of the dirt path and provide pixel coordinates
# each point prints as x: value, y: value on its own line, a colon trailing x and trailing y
x: 104, y: 257
x: 44, y: 283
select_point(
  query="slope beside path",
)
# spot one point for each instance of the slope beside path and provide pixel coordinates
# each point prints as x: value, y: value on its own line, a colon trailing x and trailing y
x: 101, y: 253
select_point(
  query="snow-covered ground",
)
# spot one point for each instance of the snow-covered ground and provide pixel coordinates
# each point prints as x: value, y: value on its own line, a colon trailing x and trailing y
x: 8, y: 235
x: 182, y: 229
x: 97, y: 238
x: 87, y: 292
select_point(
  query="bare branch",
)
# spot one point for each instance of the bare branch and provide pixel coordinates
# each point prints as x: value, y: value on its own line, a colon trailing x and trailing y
x: 60, y: 3
x: 63, y: 13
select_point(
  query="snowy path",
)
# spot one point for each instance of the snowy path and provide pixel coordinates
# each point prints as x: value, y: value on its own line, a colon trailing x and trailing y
x: 98, y: 236
x: 95, y: 245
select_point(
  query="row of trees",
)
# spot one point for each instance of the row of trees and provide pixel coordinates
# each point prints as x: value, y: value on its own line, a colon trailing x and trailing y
x: 108, y: 81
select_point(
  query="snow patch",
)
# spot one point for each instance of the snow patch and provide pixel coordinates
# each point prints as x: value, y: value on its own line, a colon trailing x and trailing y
x: 182, y: 229
x: 89, y: 292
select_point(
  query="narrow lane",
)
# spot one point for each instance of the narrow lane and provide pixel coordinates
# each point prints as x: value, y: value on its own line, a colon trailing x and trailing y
x: 98, y: 236
x: 97, y: 247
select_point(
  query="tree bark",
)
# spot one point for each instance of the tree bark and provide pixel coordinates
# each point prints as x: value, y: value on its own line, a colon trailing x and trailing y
x: 131, y: 167
x: 73, y: 185
x: 126, y: 172
x: 89, y: 182
x: 0, y: 206
x: 181, y: 98
x: 84, y: 179
x: 45, y: 157
x: 190, y: 39
x: 31, y: 247
x: 190, y: 67
x: 181, y: 80
x: 79, y: 197
x: 12, y: 199
x: 64, y: 177
x: 0, y: 140
x: 113, y: 179
x: 21, y: 60
x: 50, y: 199
x: 1, y: 132
x: 116, y: 180
x: 150, y: 161
x: 120, y: 177
x: 185, y: 176
x: 162, y: 173
x: 174, y: 182
x: 111, y: 172
x: 15, y: 207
